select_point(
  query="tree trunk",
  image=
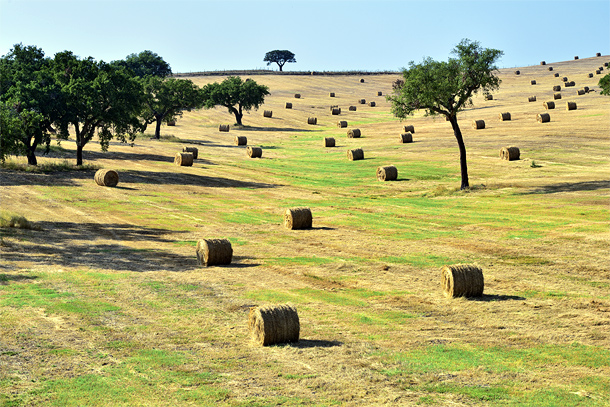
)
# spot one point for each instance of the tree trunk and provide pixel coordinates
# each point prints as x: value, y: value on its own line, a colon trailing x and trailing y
x: 280, y: 67
x: 158, y: 128
x: 31, y: 154
x: 79, y: 154
x: 463, y: 166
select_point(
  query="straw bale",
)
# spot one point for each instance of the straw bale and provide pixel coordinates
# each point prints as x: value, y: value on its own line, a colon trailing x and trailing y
x: 576, y: 57
x: 533, y: 82
x: 478, y: 124
x: 352, y: 108
x: 410, y: 128
x: 517, y: 72
x: 549, y: 105
x: 241, y: 140
x: 361, y: 80
x: 598, y: 72
x: 297, y: 95
x: 106, y: 178
x: 581, y: 92
x: 362, y: 101
x: 355, y: 154
x: 298, y: 218
x: 336, y: 111
x: 312, y: 120
x: 192, y: 150
x: 354, y: 133
x: 406, y: 137
x: 510, y: 153
x: 288, y: 105
x: 372, y: 104
x: 171, y: 123
x: 254, y: 152
x: 531, y: 99
x: 599, y: 54
x: 380, y: 93
x: 557, y: 96
x: 223, y: 127
x: 542, y: 63
x: 489, y: 97
x: 504, y: 116
x: 331, y: 94
x: 550, y: 68
x: 387, y: 173
x: 183, y: 159
x: 214, y: 252
x: 274, y: 324
x: 342, y: 123
x: 590, y: 75
x: 543, y: 118
x: 556, y: 88
x: 267, y: 113
x: 571, y: 106
x: 556, y: 75
x: 565, y: 79
x: 329, y: 142
x: 462, y: 280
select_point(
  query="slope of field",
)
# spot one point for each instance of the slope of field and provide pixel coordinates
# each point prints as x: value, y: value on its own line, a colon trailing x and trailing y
x: 103, y: 303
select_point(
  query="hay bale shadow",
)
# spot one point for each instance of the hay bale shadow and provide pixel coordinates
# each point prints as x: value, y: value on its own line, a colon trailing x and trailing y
x: 497, y: 297
x: 313, y: 343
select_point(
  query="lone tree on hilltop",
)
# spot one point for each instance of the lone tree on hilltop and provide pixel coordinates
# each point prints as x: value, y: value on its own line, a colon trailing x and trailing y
x: 279, y: 57
x: 234, y: 94
x: 446, y: 88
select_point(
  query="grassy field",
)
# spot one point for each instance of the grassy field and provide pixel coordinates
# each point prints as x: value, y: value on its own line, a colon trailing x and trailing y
x: 102, y: 302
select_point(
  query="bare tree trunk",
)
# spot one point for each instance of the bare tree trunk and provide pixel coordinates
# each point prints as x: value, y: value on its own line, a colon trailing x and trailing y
x: 158, y: 128
x: 79, y: 154
x: 31, y: 154
x: 460, y: 140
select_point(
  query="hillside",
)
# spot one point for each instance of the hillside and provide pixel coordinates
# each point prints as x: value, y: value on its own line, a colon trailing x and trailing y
x: 103, y: 303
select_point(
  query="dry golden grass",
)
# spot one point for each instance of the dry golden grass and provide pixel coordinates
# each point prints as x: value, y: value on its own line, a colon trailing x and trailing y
x: 365, y: 279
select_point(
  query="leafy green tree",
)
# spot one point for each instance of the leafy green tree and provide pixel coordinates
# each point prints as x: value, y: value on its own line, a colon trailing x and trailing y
x: 146, y: 63
x: 165, y: 100
x: 279, y: 57
x: 446, y: 88
x: 30, y: 102
x: 99, y: 98
x: 236, y: 95
x: 604, y: 83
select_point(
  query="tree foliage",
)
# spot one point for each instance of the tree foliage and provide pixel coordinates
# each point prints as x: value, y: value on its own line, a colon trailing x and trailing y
x: 146, y: 63
x: 166, y: 99
x: 279, y: 57
x: 604, y: 83
x: 236, y: 95
x: 99, y: 98
x: 446, y: 88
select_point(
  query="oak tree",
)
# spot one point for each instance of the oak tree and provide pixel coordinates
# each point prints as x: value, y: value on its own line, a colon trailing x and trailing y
x: 446, y: 88
x: 279, y: 57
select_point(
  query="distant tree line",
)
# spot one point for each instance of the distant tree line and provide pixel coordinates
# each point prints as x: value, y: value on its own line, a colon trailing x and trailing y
x: 42, y: 98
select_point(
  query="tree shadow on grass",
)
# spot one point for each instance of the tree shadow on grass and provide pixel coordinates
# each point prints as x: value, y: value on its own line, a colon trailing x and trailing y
x: 5, y: 279
x: 570, y: 187
x: 68, y: 244
x: 179, y: 178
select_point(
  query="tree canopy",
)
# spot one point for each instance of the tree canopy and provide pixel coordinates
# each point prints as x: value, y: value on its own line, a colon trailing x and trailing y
x: 604, y: 83
x: 146, y: 63
x: 166, y: 99
x: 446, y: 88
x: 279, y: 57
x: 236, y: 95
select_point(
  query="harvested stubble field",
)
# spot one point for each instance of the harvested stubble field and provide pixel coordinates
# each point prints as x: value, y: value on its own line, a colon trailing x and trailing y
x: 102, y: 302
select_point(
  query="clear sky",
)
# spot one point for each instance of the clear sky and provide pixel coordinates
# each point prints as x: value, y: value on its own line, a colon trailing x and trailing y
x: 324, y: 35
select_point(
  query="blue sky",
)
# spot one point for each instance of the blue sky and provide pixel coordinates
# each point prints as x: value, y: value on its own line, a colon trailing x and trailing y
x: 373, y: 35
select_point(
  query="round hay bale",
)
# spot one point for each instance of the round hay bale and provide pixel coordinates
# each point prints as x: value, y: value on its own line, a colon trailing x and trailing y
x: 489, y: 97
x: 410, y: 128
x: 241, y: 140
x: 355, y: 154
x: 361, y: 80
x: 543, y: 63
x: 354, y: 133
x: 550, y: 68
x: 510, y: 153
x: 586, y: 89
x: 556, y: 75
x: 331, y: 94
x: 571, y: 106
x: 329, y: 142
x: 543, y: 118
x: 565, y: 79
x: 192, y: 150
x: 254, y: 152
x: 288, y: 105
x: 549, y: 105
x: 531, y: 99
x: 214, y: 252
x: 590, y: 75
x: 598, y: 72
x: 576, y: 57
x: 183, y: 159
x: 372, y: 104
x: 570, y: 84
x: 336, y: 111
x: 462, y: 280
x: 223, y: 127
x: 533, y: 82
x: 362, y: 101
x: 556, y: 88
x: 557, y: 96
x: 342, y: 124
x: 267, y: 113
x: 312, y: 120
x: 171, y: 123
x: 605, y: 64
x: 379, y: 93
x: 599, y: 54
x: 273, y: 324
x: 517, y: 72
x: 406, y: 137
x: 478, y: 124
x: 297, y: 95
x: 298, y: 218
x: 387, y: 173
x: 352, y: 108
x: 581, y: 92
x: 504, y: 116
x: 106, y: 178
